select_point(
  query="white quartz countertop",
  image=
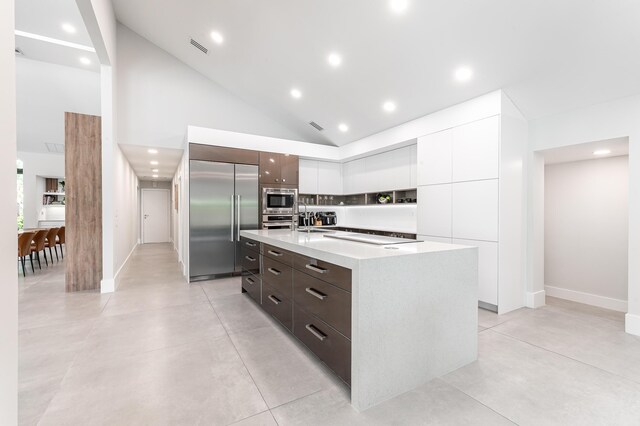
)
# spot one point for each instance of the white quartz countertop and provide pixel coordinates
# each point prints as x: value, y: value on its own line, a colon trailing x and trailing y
x: 342, y: 252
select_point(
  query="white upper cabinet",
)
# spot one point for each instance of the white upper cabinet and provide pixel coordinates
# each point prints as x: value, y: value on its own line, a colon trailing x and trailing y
x: 476, y: 150
x: 400, y: 168
x: 475, y: 210
x: 353, y: 176
x: 308, y: 176
x: 434, y: 158
x: 329, y: 178
x: 413, y: 171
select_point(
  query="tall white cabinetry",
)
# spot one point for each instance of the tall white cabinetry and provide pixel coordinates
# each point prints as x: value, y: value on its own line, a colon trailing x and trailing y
x: 387, y: 171
x: 319, y: 177
x: 460, y: 191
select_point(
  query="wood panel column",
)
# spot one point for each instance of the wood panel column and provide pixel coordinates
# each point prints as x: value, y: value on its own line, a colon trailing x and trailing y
x: 83, y: 193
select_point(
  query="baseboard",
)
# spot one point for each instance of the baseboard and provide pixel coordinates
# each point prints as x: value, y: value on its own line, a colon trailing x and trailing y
x: 116, y: 278
x: 632, y: 324
x: 107, y: 286
x: 536, y: 299
x: 587, y: 298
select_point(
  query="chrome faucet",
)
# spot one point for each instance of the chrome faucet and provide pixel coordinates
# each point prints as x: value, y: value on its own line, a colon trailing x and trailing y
x: 306, y: 216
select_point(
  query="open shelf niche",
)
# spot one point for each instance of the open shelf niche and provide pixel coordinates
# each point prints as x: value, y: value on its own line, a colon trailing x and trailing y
x: 395, y: 197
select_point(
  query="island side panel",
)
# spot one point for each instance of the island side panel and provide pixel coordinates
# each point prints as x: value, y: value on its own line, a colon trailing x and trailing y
x: 414, y: 318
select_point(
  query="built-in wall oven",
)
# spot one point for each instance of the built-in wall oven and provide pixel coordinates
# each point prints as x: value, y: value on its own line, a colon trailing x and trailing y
x: 279, y: 200
x: 278, y: 205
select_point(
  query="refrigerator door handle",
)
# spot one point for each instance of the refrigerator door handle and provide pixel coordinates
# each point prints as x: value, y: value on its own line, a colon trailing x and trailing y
x: 232, y: 211
x: 238, y: 224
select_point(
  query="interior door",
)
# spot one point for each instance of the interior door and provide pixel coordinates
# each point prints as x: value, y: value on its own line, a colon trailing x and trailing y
x: 211, y: 218
x: 247, y: 198
x: 155, y: 216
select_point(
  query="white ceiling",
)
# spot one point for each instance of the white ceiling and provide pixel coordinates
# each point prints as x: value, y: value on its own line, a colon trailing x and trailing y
x: 585, y: 151
x: 45, y: 18
x: 139, y: 158
x: 549, y: 56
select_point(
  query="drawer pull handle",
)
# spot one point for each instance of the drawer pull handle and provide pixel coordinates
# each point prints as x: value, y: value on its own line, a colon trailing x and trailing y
x: 313, y: 330
x: 250, y: 259
x: 274, y: 253
x: 274, y: 271
x: 274, y: 299
x: 250, y: 244
x: 315, y: 293
x: 250, y: 280
x: 315, y: 268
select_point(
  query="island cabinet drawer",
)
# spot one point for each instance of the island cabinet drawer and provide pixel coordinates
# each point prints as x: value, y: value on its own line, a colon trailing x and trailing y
x: 278, y: 254
x: 334, y: 274
x: 326, y: 301
x: 278, y: 276
x: 250, y: 261
x: 276, y: 304
x: 248, y: 244
x: 330, y: 346
x: 253, y: 287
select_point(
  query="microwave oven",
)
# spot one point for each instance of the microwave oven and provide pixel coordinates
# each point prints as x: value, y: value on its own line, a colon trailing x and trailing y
x: 279, y: 200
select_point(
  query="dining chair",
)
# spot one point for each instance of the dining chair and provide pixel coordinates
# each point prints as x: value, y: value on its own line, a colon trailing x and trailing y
x: 51, y: 242
x: 61, y: 240
x: 38, y: 246
x: 24, y: 250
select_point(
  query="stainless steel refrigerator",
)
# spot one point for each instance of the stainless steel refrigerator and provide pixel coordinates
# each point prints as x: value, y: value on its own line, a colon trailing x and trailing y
x: 223, y: 200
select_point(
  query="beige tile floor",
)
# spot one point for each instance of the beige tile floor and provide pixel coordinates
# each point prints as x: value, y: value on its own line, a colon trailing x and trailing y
x: 163, y: 352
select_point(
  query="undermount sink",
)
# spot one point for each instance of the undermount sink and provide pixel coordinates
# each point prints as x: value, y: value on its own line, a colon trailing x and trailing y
x: 302, y: 229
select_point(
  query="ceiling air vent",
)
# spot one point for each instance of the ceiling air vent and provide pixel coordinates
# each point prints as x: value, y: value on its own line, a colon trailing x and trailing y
x: 316, y: 126
x: 198, y: 46
x: 55, y: 147
x: 19, y: 52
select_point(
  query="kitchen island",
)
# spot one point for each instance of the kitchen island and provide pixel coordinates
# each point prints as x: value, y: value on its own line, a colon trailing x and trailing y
x: 385, y: 318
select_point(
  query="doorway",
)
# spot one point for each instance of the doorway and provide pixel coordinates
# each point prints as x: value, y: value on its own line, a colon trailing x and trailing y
x: 155, y: 216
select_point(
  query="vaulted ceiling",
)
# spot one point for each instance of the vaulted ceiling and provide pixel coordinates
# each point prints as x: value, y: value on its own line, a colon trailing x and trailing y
x: 548, y: 56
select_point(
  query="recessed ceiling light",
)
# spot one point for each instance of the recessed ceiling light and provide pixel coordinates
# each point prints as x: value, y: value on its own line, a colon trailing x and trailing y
x: 152, y: 151
x: 398, y: 6
x: 217, y: 37
x: 295, y: 93
x: 155, y: 176
x: 602, y: 152
x: 334, y: 60
x: 389, y: 106
x: 69, y: 28
x: 85, y: 61
x: 343, y: 127
x: 464, y: 74
x: 153, y: 163
x: 154, y: 170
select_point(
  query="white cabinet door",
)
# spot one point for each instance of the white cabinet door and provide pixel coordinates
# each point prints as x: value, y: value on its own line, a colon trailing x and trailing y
x: 476, y: 150
x: 434, y: 158
x: 308, y: 176
x: 376, y: 176
x: 487, y: 269
x: 434, y: 210
x: 329, y: 178
x: 400, y: 168
x: 413, y: 172
x: 475, y: 210
x: 353, y: 175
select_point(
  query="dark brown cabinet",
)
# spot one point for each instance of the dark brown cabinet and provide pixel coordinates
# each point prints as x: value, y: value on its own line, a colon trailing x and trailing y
x: 309, y: 297
x: 280, y: 169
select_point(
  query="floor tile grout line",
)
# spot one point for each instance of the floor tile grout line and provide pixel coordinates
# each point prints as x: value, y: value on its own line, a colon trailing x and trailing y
x: 237, y: 352
x: 567, y: 357
x: 479, y: 402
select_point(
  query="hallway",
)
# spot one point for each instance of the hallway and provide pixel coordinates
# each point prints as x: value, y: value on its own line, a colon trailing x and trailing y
x: 160, y: 351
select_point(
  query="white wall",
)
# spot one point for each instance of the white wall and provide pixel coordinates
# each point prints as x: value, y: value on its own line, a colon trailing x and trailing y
x: 586, y: 231
x: 8, y: 247
x: 158, y: 96
x: 43, y: 165
x: 603, y: 121
x: 126, y: 223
